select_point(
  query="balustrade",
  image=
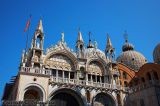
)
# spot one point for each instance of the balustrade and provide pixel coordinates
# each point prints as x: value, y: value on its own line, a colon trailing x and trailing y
x: 73, y: 81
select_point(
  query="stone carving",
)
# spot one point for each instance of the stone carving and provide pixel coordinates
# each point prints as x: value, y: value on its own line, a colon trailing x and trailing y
x: 60, y: 61
x: 95, y: 67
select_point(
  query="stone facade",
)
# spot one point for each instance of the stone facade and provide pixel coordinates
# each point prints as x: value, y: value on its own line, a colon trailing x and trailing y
x: 63, y: 77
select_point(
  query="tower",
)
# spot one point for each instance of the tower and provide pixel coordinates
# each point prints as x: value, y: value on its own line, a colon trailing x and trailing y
x: 112, y: 75
x: 36, y: 50
x: 80, y: 45
x: 109, y: 51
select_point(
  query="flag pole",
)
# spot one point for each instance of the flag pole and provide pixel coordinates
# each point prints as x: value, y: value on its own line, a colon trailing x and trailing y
x: 27, y: 29
x: 27, y: 40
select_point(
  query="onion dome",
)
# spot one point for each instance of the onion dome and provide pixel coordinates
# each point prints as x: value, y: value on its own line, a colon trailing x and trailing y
x: 127, y: 46
x: 156, y: 54
x: 130, y: 57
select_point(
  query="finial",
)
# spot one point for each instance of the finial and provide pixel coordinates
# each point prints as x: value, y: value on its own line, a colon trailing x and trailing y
x: 62, y: 37
x: 125, y: 36
x: 89, y: 34
x: 90, y: 43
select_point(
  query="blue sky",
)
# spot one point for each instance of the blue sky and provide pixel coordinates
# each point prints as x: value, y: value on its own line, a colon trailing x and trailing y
x: 141, y: 19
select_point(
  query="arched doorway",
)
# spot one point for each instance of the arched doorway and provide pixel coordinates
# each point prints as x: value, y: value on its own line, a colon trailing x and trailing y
x: 33, y: 93
x: 66, y: 97
x: 103, y: 99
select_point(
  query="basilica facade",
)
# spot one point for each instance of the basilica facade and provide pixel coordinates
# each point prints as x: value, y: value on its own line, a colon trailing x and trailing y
x: 60, y: 76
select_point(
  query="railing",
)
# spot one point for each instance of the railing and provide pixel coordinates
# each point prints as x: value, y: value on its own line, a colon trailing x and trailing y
x: 35, y: 71
x: 73, y: 81
x: 87, y: 83
x: 145, y: 85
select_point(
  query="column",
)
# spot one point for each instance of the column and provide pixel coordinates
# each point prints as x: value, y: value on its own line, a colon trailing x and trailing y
x: 56, y: 75
x: 63, y: 75
x: 69, y: 75
x: 96, y: 78
x: 86, y: 79
x: 100, y: 79
x: 91, y: 80
x: 75, y: 75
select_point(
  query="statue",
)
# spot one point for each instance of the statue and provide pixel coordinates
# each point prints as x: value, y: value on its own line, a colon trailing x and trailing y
x: 95, y: 44
x: 62, y: 37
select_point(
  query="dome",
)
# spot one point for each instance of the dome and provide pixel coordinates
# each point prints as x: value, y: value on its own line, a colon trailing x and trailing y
x: 132, y: 59
x: 156, y: 54
x: 93, y: 51
x: 127, y: 46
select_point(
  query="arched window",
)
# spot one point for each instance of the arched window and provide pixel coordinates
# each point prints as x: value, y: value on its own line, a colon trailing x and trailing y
x: 124, y: 75
x: 120, y: 83
x: 155, y: 75
x: 125, y: 83
x: 148, y: 76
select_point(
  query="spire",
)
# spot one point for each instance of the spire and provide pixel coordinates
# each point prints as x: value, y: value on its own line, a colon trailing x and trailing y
x: 109, y: 49
x: 80, y: 45
x: 109, y: 44
x: 90, y: 43
x: 40, y: 27
x: 79, y: 42
x: 80, y: 36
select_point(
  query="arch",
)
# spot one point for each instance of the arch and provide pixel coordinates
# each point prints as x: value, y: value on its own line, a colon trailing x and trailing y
x: 126, y: 69
x: 34, y: 88
x: 100, y: 64
x: 72, y: 59
x: 125, y: 84
x: 68, y: 96
x: 104, y: 99
x: 155, y: 75
x: 32, y: 94
x: 124, y: 75
x: 148, y: 76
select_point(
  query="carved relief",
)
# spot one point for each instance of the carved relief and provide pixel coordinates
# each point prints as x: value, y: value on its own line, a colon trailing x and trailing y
x: 95, y: 67
x: 60, y: 61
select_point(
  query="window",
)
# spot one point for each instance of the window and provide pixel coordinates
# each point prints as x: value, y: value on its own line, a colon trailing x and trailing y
x: 54, y: 72
x: 72, y: 75
x: 124, y: 75
x: 125, y: 83
x: 155, y: 75
x: 149, y: 76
